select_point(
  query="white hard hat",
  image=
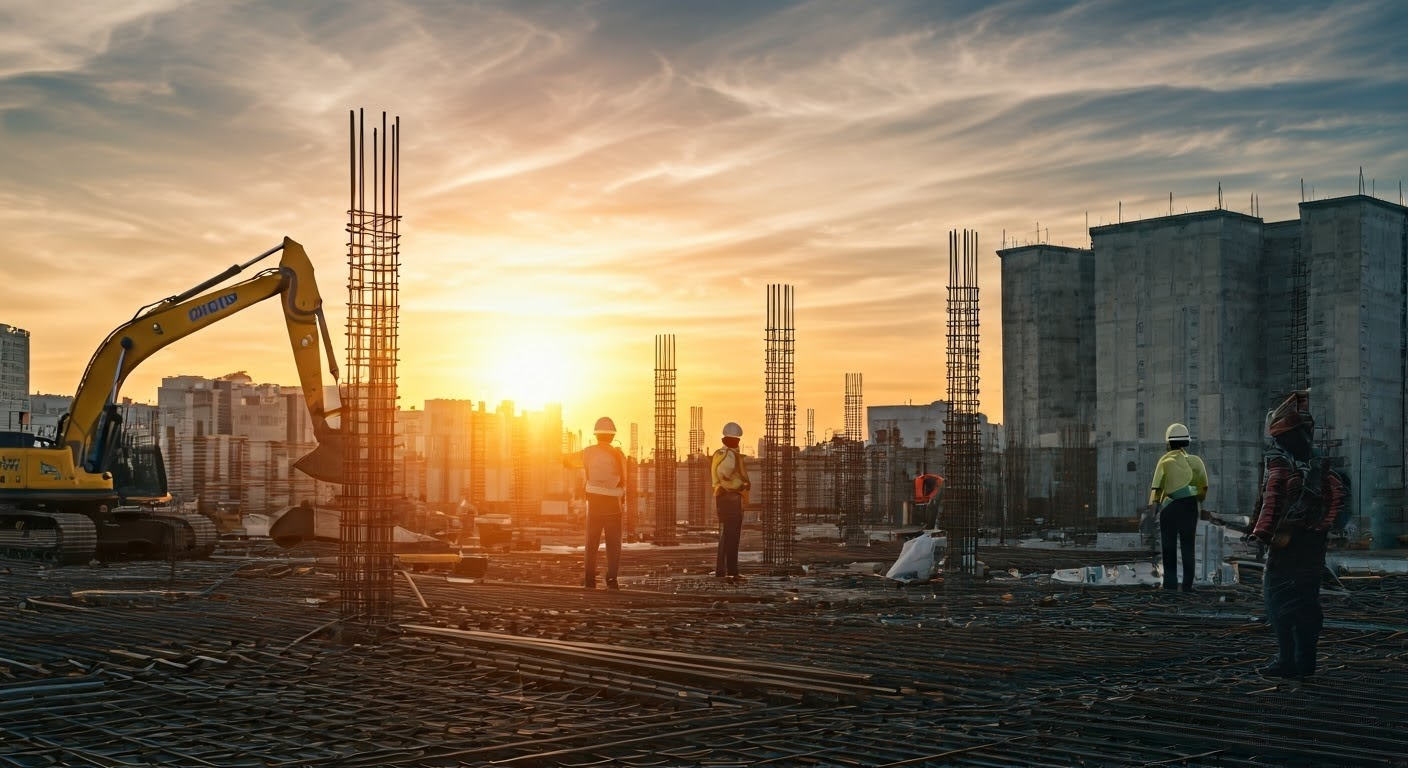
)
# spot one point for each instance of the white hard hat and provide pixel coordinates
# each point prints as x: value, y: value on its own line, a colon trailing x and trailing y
x: 732, y: 429
x: 1176, y: 431
x: 605, y: 426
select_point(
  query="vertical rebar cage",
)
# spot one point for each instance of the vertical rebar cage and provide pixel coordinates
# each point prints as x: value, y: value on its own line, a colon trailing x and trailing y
x: 963, y: 489
x: 696, y: 467
x: 852, y: 460
x: 366, y: 564
x: 665, y: 440
x: 779, y: 476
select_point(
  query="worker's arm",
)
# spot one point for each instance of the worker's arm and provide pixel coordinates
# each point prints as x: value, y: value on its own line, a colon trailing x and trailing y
x: 1277, y: 475
x: 1156, y: 492
x: 1200, y: 479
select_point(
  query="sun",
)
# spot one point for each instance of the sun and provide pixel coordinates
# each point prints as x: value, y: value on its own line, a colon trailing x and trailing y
x: 532, y: 370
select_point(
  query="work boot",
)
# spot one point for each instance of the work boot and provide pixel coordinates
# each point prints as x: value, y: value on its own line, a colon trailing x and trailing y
x: 736, y: 579
x: 589, y: 584
x: 1279, y: 669
x: 611, y: 584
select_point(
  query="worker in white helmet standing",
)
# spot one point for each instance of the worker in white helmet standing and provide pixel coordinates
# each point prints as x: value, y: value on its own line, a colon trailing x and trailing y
x: 1180, y: 485
x: 731, y: 485
x: 605, y: 469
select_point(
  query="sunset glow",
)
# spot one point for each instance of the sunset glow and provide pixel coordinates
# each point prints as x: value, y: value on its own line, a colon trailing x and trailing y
x: 577, y: 177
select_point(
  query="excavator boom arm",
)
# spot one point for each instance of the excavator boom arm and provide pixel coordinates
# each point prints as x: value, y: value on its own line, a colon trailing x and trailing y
x: 183, y: 315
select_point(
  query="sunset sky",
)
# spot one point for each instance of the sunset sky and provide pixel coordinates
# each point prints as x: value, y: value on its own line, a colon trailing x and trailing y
x: 579, y: 176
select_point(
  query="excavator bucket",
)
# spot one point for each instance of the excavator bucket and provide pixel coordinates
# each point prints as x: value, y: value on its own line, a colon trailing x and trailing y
x: 325, y: 462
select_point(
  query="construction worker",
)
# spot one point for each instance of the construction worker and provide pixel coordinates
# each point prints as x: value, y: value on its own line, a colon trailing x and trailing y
x: 1180, y: 485
x: 731, y: 485
x: 1300, y: 502
x: 605, y: 469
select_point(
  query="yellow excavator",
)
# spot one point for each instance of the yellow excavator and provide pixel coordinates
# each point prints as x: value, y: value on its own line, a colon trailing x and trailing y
x: 96, y: 492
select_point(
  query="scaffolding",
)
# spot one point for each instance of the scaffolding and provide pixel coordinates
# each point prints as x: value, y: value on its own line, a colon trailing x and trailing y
x: 779, y: 451
x: 366, y: 564
x: 665, y: 440
x: 963, y: 490
x: 851, y: 481
x: 697, y: 466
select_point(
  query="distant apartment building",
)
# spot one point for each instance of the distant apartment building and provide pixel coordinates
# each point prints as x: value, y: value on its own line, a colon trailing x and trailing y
x: 1048, y: 349
x: 230, y: 444
x: 14, y: 378
x: 1209, y: 319
x: 503, y: 460
x: 906, y: 441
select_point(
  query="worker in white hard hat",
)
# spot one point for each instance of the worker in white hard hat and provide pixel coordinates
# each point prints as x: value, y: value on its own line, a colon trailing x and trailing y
x: 1180, y: 485
x: 731, y: 486
x: 605, y: 469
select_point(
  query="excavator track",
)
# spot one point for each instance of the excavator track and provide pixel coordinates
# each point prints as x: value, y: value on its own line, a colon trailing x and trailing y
x: 200, y: 534
x: 59, y: 538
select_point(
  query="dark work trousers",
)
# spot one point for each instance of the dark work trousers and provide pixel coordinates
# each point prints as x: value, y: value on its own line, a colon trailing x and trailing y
x: 603, y: 516
x: 1292, y: 595
x: 1178, y: 524
x: 730, y: 509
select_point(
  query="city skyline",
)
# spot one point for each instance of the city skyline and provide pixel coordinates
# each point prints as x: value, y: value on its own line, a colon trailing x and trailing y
x: 578, y: 177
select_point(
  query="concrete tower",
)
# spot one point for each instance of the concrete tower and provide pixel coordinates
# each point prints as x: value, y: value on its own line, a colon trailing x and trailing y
x: 1179, y: 338
x: 1048, y: 386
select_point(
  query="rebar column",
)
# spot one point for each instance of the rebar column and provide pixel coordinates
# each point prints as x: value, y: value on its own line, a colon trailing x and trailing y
x: 665, y: 440
x: 779, y: 469
x: 852, y: 479
x: 811, y: 507
x: 697, y: 466
x: 369, y: 398
x: 963, y: 490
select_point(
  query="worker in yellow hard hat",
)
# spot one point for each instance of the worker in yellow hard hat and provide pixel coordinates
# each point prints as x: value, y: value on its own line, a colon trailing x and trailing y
x: 1180, y: 485
x: 731, y: 485
x: 605, y: 468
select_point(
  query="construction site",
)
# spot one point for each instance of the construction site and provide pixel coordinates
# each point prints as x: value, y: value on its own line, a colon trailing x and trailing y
x: 328, y: 579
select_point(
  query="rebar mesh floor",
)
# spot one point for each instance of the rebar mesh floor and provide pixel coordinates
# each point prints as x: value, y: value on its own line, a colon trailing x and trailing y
x: 242, y: 662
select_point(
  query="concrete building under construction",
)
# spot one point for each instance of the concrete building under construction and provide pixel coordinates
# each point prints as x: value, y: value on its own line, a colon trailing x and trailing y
x: 1207, y: 319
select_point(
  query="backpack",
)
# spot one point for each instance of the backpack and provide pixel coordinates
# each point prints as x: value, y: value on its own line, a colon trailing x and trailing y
x: 1305, y: 503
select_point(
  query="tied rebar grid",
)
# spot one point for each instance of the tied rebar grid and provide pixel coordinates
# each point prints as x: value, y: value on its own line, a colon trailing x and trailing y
x: 366, y: 565
x: 180, y: 666
x: 697, y: 467
x: 963, y: 494
x: 779, y: 469
x: 665, y: 440
x: 852, y: 480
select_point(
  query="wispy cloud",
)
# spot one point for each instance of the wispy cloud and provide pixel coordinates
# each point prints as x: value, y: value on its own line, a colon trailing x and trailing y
x: 593, y: 173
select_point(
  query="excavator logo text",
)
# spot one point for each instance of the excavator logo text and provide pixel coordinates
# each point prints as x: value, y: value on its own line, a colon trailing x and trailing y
x: 8, y: 464
x: 213, y: 306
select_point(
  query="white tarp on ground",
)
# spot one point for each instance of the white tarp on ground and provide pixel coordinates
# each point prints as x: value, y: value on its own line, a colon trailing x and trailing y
x: 917, y: 561
x: 1211, y: 547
